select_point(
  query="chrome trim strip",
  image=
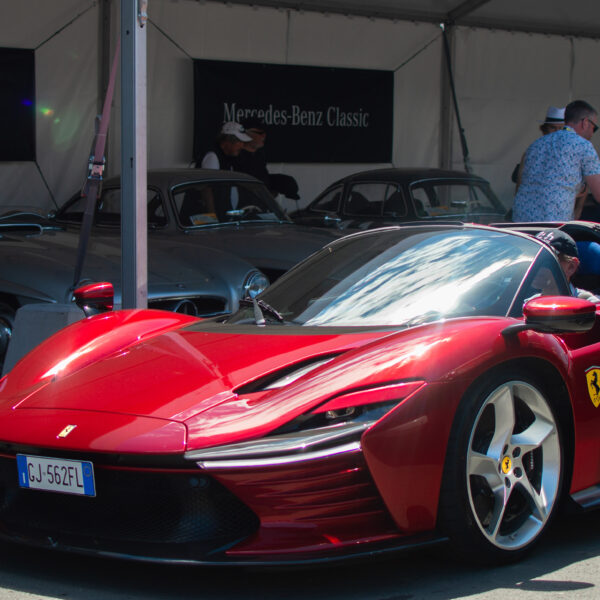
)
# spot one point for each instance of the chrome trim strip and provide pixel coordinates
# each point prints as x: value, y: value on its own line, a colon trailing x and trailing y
x: 291, y: 443
x: 250, y: 463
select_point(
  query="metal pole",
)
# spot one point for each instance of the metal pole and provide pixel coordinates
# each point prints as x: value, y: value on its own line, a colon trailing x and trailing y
x: 134, y: 238
x: 461, y: 131
x: 446, y: 114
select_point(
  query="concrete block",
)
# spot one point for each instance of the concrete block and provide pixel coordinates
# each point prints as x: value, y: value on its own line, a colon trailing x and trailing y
x: 33, y: 324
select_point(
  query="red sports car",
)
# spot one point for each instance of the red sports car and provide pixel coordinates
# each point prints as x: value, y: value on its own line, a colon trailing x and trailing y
x: 401, y: 386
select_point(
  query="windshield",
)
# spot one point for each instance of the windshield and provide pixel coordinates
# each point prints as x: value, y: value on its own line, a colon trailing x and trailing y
x: 215, y: 202
x: 108, y: 208
x: 404, y: 276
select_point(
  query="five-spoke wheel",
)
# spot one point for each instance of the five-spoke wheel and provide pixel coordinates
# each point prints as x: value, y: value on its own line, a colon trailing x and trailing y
x: 504, y: 469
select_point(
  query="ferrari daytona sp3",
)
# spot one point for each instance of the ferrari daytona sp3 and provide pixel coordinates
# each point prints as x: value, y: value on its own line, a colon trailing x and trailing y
x: 401, y: 386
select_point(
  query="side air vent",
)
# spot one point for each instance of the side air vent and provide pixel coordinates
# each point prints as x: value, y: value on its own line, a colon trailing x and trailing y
x: 284, y: 376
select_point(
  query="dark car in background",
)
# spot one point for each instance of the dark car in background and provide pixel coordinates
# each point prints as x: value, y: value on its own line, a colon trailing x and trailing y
x: 224, y: 210
x: 381, y: 197
x: 37, y: 264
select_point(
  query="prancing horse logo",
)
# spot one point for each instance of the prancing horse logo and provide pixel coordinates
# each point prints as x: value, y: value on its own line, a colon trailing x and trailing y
x: 66, y: 431
x: 592, y: 376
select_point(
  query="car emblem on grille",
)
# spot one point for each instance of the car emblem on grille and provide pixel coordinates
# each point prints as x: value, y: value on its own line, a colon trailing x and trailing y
x: 66, y: 431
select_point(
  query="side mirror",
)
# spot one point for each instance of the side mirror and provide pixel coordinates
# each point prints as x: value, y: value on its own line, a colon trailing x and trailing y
x: 95, y: 298
x: 331, y: 220
x: 556, y: 314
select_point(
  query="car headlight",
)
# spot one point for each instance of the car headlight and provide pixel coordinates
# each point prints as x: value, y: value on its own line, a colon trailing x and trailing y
x: 362, y: 406
x: 333, y: 428
x: 255, y: 283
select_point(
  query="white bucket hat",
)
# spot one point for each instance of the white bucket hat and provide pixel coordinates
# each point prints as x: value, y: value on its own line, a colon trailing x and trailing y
x: 554, y: 115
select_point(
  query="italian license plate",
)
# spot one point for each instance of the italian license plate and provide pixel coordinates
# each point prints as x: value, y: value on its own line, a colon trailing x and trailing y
x: 56, y: 475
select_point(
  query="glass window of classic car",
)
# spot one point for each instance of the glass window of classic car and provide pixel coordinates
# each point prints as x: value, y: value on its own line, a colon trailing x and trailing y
x: 374, y: 199
x: 330, y: 201
x: 400, y: 387
x: 452, y: 199
x: 221, y: 202
x: 196, y: 204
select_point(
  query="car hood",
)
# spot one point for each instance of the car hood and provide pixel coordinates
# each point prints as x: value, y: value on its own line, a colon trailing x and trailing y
x: 133, y: 389
x: 47, y: 263
x: 266, y: 246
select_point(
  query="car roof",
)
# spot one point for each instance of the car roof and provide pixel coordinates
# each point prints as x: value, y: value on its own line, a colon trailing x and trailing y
x: 408, y: 174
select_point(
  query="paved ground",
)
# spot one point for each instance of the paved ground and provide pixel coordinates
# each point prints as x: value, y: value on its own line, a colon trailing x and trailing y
x: 567, y: 565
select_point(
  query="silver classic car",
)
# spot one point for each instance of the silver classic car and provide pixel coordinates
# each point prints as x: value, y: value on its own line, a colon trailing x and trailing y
x: 37, y: 264
x: 224, y: 210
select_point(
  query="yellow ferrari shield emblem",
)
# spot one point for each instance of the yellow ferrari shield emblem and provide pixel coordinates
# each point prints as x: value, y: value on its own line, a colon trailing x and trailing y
x: 592, y: 376
x: 506, y: 465
x: 66, y: 431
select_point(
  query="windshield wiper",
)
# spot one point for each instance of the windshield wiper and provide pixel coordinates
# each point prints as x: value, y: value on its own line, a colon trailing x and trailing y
x: 260, y: 306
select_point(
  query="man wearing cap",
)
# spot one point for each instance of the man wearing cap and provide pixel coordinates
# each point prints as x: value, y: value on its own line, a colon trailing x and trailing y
x: 566, y: 251
x: 557, y: 165
x: 252, y: 158
x: 229, y: 144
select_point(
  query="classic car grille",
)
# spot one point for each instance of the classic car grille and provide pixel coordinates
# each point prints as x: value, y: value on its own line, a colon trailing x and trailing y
x: 196, y: 306
x: 139, y: 511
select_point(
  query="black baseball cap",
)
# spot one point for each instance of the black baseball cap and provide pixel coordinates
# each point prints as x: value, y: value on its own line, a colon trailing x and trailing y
x: 561, y: 242
x: 254, y: 123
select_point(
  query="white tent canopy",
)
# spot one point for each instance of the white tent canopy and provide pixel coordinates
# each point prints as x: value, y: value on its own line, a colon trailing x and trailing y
x: 511, y: 59
x: 577, y: 18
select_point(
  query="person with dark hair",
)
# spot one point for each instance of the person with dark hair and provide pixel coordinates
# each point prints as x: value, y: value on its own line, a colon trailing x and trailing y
x: 566, y: 250
x: 556, y: 166
x: 228, y: 145
x: 252, y: 158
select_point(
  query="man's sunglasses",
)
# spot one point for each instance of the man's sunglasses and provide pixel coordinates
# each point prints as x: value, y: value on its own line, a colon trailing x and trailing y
x: 594, y: 125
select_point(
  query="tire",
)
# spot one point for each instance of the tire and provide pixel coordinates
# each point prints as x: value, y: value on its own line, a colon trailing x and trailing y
x: 7, y: 321
x: 504, y: 469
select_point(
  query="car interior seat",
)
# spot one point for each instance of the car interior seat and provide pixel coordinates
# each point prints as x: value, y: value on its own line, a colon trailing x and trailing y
x: 357, y: 204
x: 395, y: 205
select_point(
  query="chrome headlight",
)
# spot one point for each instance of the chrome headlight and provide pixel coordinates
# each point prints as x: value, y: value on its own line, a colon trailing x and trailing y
x: 255, y: 283
x: 333, y: 428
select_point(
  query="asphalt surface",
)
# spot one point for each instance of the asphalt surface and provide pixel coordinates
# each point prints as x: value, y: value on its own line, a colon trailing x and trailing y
x: 565, y: 565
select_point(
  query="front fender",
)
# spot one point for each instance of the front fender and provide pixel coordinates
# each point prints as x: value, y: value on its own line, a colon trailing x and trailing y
x: 406, y: 450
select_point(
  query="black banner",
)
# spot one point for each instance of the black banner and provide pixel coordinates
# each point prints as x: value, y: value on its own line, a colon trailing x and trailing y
x: 312, y: 114
x: 17, y: 104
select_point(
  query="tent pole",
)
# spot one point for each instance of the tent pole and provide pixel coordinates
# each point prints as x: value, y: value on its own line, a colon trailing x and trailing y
x: 446, y: 115
x: 134, y: 229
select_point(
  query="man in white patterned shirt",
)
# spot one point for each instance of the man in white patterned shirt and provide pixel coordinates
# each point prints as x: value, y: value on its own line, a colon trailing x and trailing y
x: 556, y: 166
